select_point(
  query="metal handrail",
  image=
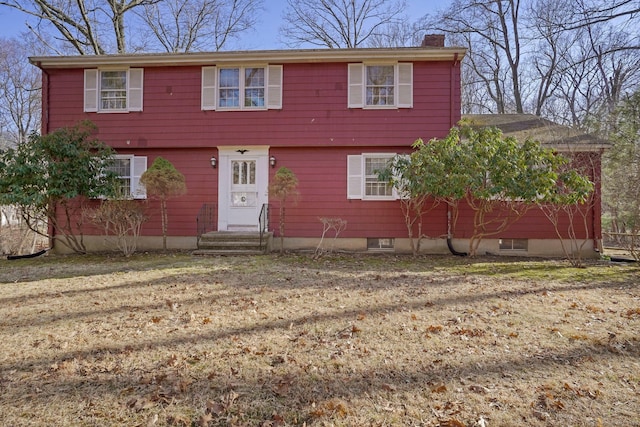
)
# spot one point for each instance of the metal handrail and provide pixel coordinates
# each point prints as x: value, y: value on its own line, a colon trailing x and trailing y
x: 205, y: 221
x: 263, y: 221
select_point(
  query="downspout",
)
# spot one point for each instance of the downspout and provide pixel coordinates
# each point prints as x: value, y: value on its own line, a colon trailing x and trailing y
x: 450, y: 236
x: 452, y: 124
x: 44, y: 121
x: 597, y: 242
x: 452, y: 91
x: 44, y: 126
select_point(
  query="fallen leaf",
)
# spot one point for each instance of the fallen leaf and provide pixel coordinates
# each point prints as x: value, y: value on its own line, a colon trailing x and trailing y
x: 388, y: 387
x: 215, y: 408
x: 451, y: 422
x: 204, y: 420
x: 152, y: 420
x: 439, y: 388
x: 479, y: 389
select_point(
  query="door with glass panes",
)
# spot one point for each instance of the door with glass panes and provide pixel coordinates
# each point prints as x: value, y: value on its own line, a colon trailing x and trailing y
x: 243, y: 208
x: 243, y: 187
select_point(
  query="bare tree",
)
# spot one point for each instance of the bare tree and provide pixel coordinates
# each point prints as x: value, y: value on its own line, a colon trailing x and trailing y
x: 191, y: 25
x: 396, y: 34
x: 524, y: 57
x: 491, y: 30
x: 89, y: 26
x: 585, y: 13
x: 20, y: 86
x: 337, y: 23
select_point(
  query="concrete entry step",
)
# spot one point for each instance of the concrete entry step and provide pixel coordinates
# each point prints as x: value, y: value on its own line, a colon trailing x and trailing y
x: 233, y: 243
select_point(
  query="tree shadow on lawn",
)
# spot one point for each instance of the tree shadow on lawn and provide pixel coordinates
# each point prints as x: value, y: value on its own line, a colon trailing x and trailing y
x: 62, y: 375
x: 293, y: 392
x: 70, y: 266
x: 406, y: 302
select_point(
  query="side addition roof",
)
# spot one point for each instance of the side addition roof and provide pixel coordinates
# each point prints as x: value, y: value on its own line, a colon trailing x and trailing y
x: 523, y: 126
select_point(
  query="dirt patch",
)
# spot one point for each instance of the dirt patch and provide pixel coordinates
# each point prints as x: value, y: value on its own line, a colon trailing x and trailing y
x: 344, y: 340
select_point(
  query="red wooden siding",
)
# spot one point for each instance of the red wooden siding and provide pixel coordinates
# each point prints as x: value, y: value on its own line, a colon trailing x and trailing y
x: 314, y: 111
x: 312, y: 135
x: 322, y: 176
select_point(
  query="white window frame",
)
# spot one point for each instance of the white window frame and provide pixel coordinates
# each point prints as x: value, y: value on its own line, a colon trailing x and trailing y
x: 210, y: 96
x: 93, y: 91
x: 508, y: 245
x: 357, y: 178
x: 402, y: 89
x: 137, y: 165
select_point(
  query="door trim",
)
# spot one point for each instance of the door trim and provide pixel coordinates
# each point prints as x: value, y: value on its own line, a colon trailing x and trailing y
x: 259, y: 153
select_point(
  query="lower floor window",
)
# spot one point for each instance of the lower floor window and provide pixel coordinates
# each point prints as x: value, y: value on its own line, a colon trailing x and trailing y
x: 514, y: 244
x: 373, y: 186
x: 122, y: 167
x: 129, y: 168
x: 377, y: 243
x: 363, y: 181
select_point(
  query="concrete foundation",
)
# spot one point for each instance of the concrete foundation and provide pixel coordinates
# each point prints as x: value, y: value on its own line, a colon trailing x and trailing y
x: 535, y: 247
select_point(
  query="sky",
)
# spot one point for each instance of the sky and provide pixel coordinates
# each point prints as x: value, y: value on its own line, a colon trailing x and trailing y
x: 12, y: 23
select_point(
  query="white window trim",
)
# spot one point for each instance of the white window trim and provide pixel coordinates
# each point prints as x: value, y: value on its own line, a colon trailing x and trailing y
x: 138, y: 165
x: 403, y: 85
x: 272, y: 88
x: 92, y: 91
x: 356, y: 178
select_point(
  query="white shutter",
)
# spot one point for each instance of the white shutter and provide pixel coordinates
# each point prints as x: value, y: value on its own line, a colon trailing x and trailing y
x: 405, y: 85
x: 209, y: 77
x: 274, y: 88
x: 356, y: 86
x: 134, y: 95
x: 354, y: 177
x: 139, y: 165
x: 90, y: 90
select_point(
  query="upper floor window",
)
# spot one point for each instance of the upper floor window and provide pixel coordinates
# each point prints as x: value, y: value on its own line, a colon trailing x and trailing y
x: 381, y: 85
x: 242, y: 88
x: 129, y: 169
x: 113, y: 90
x: 362, y: 177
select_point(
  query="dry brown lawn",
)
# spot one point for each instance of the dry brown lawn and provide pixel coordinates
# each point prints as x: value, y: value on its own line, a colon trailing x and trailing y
x: 347, y: 340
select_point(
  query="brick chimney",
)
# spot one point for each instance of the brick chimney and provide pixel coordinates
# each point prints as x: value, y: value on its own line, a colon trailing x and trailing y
x: 433, y: 40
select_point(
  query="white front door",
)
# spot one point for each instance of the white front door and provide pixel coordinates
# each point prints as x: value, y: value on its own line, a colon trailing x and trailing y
x: 243, y: 187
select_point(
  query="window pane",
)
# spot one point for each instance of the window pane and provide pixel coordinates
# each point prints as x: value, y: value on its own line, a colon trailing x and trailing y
x: 244, y: 172
x: 372, y: 185
x: 254, y: 98
x: 229, y: 93
x: 254, y: 87
x: 229, y: 97
x: 113, y: 90
x: 122, y: 167
x: 229, y: 77
x: 380, y: 85
x: 254, y: 77
x: 252, y: 173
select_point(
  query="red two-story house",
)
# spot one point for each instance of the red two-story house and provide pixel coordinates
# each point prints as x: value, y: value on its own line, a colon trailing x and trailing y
x: 228, y: 120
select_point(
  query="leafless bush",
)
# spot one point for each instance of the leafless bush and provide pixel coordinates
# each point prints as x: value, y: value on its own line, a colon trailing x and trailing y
x: 121, y: 219
x: 338, y: 225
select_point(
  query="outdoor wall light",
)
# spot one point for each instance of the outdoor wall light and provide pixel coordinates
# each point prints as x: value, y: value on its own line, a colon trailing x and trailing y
x: 214, y: 162
x: 272, y: 161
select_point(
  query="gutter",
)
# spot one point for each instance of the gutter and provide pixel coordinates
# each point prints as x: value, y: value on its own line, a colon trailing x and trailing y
x: 259, y: 56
